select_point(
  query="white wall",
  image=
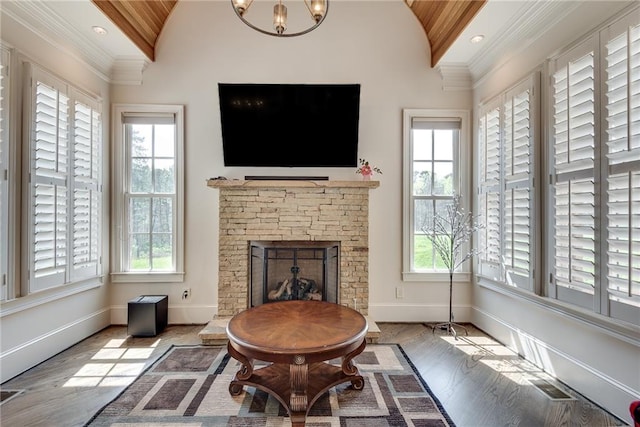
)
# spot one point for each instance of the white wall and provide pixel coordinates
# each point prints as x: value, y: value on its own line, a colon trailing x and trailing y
x: 602, y: 364
x: 36, y: 327
x: 380, y: 45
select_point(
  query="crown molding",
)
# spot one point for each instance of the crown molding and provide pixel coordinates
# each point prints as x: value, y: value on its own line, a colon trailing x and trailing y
x: 535, y: 19
x: 128, y: 71
x: 43, y: 21
x: 455, y: 77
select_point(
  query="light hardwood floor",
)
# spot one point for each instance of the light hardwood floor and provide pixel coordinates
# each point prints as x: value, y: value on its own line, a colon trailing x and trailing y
x: 479, y: 382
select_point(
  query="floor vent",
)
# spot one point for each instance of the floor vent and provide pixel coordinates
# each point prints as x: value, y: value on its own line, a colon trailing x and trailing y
x: 6, y: 395
x: 551, y: 391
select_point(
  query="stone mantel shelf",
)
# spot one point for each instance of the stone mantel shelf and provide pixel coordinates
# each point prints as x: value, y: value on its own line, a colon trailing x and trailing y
x: 237, y: 183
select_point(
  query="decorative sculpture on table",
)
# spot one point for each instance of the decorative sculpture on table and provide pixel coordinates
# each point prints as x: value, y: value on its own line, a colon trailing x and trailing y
x: 450, y: 232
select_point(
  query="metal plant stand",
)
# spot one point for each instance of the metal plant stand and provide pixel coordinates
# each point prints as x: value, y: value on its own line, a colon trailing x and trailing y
x: 450, y: 325
x: 448, y: 232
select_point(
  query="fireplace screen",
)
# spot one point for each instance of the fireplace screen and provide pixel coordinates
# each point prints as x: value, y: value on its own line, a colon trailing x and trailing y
x: 293, y: 271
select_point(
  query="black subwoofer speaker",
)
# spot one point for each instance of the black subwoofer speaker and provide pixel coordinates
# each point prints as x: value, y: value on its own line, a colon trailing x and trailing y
x: 147, y: 315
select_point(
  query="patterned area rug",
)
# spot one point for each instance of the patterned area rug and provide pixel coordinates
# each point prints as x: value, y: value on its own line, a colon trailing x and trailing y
x: 189, y: 385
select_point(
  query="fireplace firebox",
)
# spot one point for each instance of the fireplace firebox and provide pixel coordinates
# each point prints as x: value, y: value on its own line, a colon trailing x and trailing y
x: 293, y: 270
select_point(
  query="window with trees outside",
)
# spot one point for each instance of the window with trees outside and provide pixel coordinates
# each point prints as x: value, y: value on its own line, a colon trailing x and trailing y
x: 434, y: 145
x: 150, y: 204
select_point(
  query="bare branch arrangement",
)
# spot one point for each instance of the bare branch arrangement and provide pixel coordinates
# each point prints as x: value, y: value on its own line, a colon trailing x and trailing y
x: 449, y: 234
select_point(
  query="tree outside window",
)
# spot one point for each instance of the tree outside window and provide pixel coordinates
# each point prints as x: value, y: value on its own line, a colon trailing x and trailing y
x: 151, y: 197
x: 433, y: 186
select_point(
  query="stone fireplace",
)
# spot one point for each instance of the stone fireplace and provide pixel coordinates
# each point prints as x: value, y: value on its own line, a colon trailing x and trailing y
x: 303, y: 212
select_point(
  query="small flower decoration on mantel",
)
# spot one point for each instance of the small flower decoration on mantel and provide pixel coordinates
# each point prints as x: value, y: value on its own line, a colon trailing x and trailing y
x: 366, y: 170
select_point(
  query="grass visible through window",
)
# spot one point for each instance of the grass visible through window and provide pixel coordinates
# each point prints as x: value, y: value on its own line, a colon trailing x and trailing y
x: 423, y: 255
x: 163, y: 263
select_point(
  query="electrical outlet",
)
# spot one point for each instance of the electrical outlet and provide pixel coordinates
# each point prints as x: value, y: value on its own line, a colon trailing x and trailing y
x: 399, y: 292
x: 186, y: 293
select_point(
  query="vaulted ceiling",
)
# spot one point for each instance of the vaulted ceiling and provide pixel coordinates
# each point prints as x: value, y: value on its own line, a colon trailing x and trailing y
x: 142, y: 20
x: 443, y: 21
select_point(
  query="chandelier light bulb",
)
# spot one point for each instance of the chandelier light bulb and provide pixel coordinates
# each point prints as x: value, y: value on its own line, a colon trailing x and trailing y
x: 280, y: 18
x: 241, y: 6
x: 317, y: 9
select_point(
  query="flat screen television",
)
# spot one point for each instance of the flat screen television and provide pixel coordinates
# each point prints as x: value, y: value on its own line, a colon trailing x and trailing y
x: 289, y: 125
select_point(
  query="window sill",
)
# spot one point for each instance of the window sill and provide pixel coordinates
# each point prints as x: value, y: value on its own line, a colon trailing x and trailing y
x: 148, y: 277
x: 46, y: 296
x: 413, y: 276
x: 619, y: 330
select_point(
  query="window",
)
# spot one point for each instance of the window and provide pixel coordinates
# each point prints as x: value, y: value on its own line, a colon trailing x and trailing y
x: 622, y: 127
x: 4, y: 171
x: 518, y: 177
x: 573, y: 175
x: 65, y: 188
x: 506, y: 129
x: 489, y: 192
x: 594, y: 158
x: 591, y: 200
x: 435, y: 144
x: 149, y: 205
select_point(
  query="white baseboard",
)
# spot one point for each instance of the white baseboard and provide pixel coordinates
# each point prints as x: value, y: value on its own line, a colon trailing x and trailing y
x: 16, y: 360
x: 418, y: 313
x: 591, y: 383
x: 177, y: 314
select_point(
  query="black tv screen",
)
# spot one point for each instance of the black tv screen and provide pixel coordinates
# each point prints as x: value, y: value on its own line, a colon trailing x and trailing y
x: 290, y: 125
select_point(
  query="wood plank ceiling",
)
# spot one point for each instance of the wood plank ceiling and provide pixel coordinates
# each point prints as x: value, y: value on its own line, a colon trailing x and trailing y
x: 443, y: 21
x: 142, y: 20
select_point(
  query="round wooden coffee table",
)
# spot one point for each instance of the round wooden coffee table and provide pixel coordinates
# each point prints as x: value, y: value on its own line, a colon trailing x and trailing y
x: 298, y: 337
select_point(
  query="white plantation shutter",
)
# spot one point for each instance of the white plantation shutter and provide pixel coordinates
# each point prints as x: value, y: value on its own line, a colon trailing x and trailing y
x: 623, y: 96
x: 573, y: 176
x: 489, y: 192
x: 575, y: 235
x: 506, y: 132
x: 594, y: 160
x: 624, y: 234
x: 518, y: 186
x: 622, y: 124
x: 517, y: 124
x: 4, y: 170
x: 49, y: 180
x: 86, y: 189
x: 65, y: 183
x: 574, y: 109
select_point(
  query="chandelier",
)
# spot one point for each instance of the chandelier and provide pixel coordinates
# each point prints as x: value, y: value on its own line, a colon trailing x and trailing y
x: 316, y: 9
